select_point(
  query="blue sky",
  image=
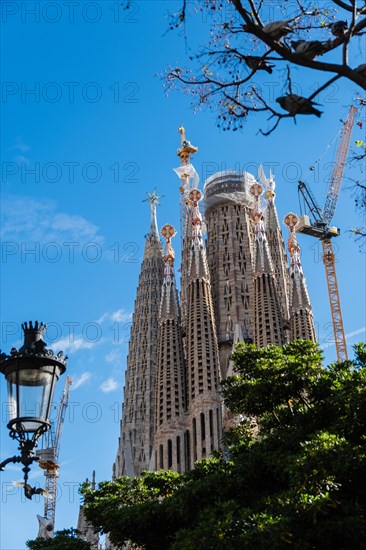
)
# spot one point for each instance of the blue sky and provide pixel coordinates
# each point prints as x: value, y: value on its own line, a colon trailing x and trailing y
x: 78, y: 156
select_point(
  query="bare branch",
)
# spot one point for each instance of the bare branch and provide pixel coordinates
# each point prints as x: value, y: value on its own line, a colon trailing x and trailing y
x: 289, y: 82
x: 243, y: 12
x: 255, y: 13
x: 343, y: 5
x: 360, y: 26
x: 285, y: 52
x: 325, y: 85
x: 220, y: 78
x: 245, y: 108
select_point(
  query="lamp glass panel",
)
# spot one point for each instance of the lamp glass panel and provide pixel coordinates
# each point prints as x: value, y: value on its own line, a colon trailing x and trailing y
x: 30, y: 394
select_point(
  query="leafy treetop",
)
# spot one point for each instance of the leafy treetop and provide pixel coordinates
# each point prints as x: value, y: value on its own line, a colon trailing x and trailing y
x: 63, y: 540
x: 293, y: 474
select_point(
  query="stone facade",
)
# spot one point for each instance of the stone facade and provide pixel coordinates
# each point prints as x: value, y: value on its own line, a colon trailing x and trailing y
x: 84, y: 528
x: 228, y: 205
x: 138, y: 414
x: 236, y: 286
x: 301, y: 314
x: 171, y: 392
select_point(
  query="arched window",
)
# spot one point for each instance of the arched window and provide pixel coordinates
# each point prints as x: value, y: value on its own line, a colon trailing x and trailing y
x: 194, y: 428
x: 211, y: 423
x: 178, y: 449
x: 188, y: 450
x: 161, y: 453
x: 170, y: 453
x: 203, y: 426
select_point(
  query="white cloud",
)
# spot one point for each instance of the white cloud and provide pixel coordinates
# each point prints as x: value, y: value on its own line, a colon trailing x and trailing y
x: 21, y: 159
x: 109, y: 385
x: 81, y: 380
x: 348, y: 336
x: 115, y: 356
x: 68, y: 345
x: 27, y: 219
x: 355, y: 332
x: 20, y: 145
x: 119, y: 316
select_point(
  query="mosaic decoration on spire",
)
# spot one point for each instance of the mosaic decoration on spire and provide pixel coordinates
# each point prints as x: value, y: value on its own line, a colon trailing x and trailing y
x: 186, y: 171
x: 291, y: 221
x: 269, y: 184
x: 257, y: 214
x: 168, y: 232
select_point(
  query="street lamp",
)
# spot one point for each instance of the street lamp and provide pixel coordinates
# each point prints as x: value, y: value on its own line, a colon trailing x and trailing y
x: 31, y: 373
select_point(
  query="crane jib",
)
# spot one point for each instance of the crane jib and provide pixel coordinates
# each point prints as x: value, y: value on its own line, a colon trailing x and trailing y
x: 338, y: 168
x: 319, y: 227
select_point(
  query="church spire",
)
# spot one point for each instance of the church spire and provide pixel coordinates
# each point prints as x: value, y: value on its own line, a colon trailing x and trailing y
x: 204, y: 408
x: 170, y: 381
x: 301, y: 314
x: 169, y: 307
x: 268, y: 325
x: 197, y: 261
x: 136, y: 441
x: 262, y: 258
x: 153, y: 200
x: 276, y: 247
x: 188, y: 180
x: 84, y: 528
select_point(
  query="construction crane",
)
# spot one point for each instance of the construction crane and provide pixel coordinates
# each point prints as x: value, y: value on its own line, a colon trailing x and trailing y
x: 48, y: 461
x: 318, y: 225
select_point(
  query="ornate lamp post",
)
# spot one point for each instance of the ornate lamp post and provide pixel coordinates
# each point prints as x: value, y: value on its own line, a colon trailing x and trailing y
x: 31, y: 373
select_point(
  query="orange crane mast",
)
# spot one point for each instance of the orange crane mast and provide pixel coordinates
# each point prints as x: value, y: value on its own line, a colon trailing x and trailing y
x: 321, y: 229
x: 334, y: 299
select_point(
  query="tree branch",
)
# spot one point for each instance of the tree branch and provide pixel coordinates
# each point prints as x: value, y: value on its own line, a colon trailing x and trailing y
x: 243, y: 12
x: 343, y: 5
x: 328, y: 83
x: 255, y: 13
x: 286, y: 53
x: 222, y: 70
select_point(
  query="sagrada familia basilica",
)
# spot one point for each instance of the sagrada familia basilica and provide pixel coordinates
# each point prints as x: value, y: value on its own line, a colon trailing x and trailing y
x: 236, y: 284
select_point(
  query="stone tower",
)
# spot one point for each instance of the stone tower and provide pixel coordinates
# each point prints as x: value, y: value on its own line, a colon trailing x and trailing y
x: 138, y: 414
x: 202, y: 359
x: 268, y: 320
x: 170, y: 381
x: 186, y: 173
x: 240, y: 289
x: 277, y: 250
x: 84, y: 528
x: 228, y: 205
x: 301, y: 313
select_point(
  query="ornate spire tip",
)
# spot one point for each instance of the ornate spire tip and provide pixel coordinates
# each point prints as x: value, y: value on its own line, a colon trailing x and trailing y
x: 186, y: 147
x: 153, y: 198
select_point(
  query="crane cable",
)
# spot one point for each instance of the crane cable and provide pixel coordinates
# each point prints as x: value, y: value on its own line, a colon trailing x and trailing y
x: 326, y: 149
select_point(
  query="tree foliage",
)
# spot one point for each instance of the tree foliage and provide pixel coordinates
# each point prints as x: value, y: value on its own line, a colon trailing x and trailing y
x: 63, y: 540
x: 296, y: 473
x: 252, y: 38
